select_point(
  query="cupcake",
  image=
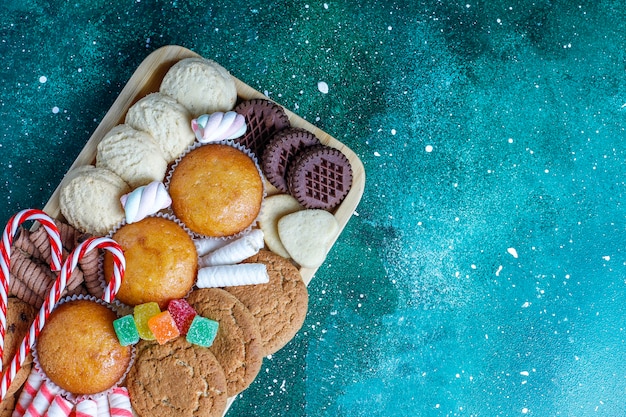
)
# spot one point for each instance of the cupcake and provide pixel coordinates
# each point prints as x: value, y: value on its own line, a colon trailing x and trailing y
x: 161, y: 261
x: 78, y: 349
x: 216, y: 190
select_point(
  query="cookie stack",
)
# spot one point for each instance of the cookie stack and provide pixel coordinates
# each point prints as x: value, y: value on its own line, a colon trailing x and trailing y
x: 318, y: 176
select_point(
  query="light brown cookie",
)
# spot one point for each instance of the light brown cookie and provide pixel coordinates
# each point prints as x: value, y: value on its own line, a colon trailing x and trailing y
x: 7, y: 406
x: 274, y: 208
x: 176, y: 378
x: 238, y: 345
x: 280, y: 306
x: 201, y: 85
x: 308, y: 235
x: 166, y: 120
x: 19, y: 318
x: 131, y: 154
x: 89, y: 199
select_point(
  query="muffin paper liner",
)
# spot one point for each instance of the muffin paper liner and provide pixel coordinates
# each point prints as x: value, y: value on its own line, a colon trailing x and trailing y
x: 243, y: 149
x: 76, y: 398
x: 120, y: 307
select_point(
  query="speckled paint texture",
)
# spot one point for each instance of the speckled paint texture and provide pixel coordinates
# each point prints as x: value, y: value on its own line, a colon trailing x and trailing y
x: 483, y: 273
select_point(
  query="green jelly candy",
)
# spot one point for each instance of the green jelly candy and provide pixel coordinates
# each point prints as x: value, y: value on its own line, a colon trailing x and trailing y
x: 143, y: 313
x: 126, y: 330
x: 202, y: 331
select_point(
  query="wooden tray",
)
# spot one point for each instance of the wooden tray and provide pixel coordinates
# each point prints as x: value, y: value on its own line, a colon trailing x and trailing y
x: 147, y: 79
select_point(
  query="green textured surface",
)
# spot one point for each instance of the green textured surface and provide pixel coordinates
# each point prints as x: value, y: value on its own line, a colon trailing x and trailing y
x: 483, y: 127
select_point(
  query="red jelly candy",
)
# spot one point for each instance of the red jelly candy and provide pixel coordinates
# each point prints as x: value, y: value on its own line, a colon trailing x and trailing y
x: 182, y: 313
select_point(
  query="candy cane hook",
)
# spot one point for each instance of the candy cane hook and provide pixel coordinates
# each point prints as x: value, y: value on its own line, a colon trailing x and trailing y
x: 54, y: 295
x: 5, y: 256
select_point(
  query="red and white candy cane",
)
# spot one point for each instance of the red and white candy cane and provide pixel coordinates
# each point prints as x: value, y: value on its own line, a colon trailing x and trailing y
x: 5, y: 256
x: 119, y: 266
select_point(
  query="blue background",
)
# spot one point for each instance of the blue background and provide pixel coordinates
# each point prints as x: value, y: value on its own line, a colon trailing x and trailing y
x: 483, y: 273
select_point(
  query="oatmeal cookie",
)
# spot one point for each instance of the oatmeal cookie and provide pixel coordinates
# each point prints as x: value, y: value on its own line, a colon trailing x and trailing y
x: 280, y: 306
x: 237, y: 346
x: 176, y: 378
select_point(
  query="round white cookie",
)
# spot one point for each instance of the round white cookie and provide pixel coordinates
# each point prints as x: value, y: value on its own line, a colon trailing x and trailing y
x: 308, y: 235
x: 201, y: 85
x: 166, y: 120
x: 131, y: 154
x: 274, y: 208
x: 89, y: 199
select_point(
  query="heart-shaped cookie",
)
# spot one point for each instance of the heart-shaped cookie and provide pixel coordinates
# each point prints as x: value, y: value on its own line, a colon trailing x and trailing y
x: 307, y: 235
x: 274, y: 208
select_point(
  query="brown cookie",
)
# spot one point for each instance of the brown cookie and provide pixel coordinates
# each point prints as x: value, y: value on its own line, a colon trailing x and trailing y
x: 19, y: 318
x: 237, y: 346
x: 264, y: 119
x: 7, y: 406
x: 320, y: 177
x: 280, y: 306
x: 176, y: 378
x: 280, y: 151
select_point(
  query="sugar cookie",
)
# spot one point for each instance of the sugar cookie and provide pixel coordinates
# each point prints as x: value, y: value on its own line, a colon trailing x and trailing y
x: 308, y: 235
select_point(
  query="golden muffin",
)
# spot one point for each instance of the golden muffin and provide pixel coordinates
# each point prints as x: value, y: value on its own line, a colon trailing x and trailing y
x: 79, y: 350
x: 216, y: 190
x: 161, y: 261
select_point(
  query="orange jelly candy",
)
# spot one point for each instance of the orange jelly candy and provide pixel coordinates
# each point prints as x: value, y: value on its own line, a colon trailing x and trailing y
x: 163, y: 327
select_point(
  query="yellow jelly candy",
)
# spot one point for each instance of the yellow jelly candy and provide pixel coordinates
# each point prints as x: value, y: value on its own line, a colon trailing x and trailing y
x: 142, y: 313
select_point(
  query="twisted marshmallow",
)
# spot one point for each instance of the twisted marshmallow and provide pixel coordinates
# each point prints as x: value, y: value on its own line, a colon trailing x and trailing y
x: 208, y: 244
x: 235, y: 251
x: 232, y: 275
x: 144, y: 201
x: 218, y: 126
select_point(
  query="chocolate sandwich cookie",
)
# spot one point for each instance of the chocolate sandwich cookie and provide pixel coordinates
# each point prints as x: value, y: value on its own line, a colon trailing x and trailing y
x: 280, y: 151
x: 320, y: 177
x: 264, y: 119
x: 237, y: 345
x: 280, y: 306
x: 176, y: 378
